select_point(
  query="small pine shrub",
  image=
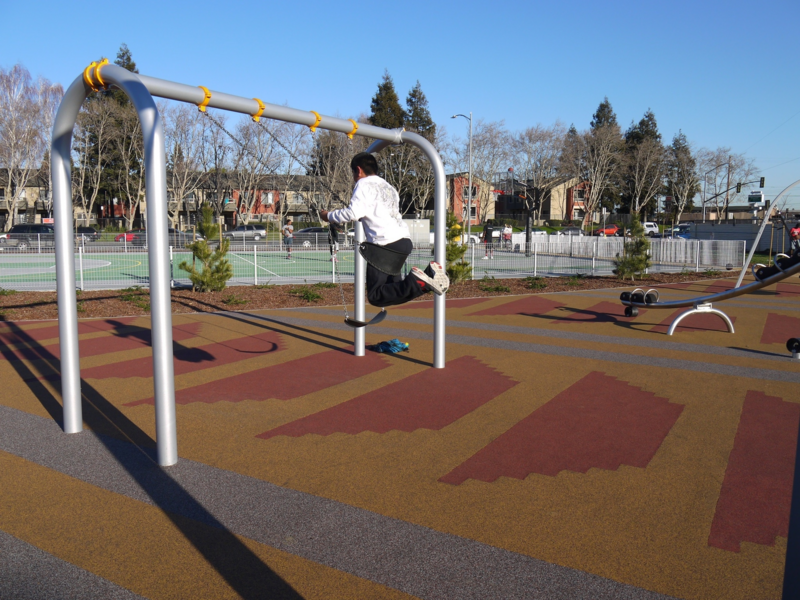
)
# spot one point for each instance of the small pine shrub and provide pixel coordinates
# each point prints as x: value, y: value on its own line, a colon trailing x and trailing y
x: 306, y: 293
x: 233, y: 300
x: 535, y: 283
x: 215, y: 270
x: 206, y: 226
x: 458, y: 269
x: 490, y: 284
x: 635, y: 259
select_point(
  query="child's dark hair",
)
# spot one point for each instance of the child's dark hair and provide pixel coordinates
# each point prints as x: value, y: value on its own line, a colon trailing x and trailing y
x: 366, y: 161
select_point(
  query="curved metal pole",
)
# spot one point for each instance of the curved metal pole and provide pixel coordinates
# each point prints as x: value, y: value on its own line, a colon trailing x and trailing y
x: 60, y: 149
x: 439, y: 226
x: 158, y: 253
x: 439, y: 238
x: 359, y: 283
x: 767, y: 214
x: 699, y: 310
x: 732, y: 293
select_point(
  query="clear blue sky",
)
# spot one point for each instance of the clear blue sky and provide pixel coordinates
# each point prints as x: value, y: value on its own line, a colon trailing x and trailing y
x: 726, y: 73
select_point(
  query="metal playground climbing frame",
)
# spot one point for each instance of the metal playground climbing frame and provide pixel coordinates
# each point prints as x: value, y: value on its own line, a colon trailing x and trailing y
x: 141, y: 89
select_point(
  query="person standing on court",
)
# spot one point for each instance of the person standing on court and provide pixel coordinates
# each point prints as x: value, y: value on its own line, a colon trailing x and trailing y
x: 288, y: 236
x: 377, y: 205
x: 488, y: 241
x: 794, y: 234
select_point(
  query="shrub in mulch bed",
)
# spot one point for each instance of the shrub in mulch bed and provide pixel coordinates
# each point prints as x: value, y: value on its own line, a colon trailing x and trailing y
x: 28, y: 306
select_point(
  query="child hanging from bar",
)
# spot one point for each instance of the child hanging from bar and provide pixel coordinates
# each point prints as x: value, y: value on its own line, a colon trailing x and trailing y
x: 377, y: 205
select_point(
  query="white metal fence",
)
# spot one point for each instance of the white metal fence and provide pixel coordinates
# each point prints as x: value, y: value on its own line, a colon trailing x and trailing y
x: 108, y: 265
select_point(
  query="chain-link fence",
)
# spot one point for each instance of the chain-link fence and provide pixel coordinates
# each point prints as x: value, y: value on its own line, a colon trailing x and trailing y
x: 116, y: 265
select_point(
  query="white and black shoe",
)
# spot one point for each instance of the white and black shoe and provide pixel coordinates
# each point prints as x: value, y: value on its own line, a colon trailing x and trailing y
x: 437, y: 281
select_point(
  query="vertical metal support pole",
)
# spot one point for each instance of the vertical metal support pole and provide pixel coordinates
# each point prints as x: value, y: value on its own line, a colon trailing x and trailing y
x: 80, y: 264
x: 535, y: 257
x: 439, y: 237
x: 125, y: 241
x: 39, y: 241
x: 594, y: 254
x: 697, y: 257
x: 65, y: 253
x: 255, y: 266
x: 359, y: 285
x: 472, y: 260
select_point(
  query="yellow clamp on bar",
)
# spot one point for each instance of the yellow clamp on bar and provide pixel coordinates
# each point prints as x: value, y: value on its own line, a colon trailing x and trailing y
x: 313, y: 127
x: 261, y: 108
x: 206, y: 100
x: 97, y: 72
x: 87, y: 78
x: 355, y: 128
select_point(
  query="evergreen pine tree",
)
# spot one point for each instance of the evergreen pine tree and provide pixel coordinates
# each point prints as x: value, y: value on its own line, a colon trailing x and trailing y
x: 125, y: 60
x: 206, y: 226
x: 604, y: 115
x: 635, y: 258
x: 457, y: 269
x: 385, y: 106
x: 215, y: 270
x: 418, y: 116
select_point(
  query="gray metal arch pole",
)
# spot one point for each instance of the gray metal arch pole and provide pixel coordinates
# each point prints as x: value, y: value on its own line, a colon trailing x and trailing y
x: 158, y: 255
x: 439, y: 237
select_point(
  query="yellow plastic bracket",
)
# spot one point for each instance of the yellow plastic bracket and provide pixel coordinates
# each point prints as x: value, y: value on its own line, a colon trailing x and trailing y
x: 206, y: 100
x: 258, y: 113
x: 355, y: 128
x: 87, y: 78
x: 313, y: 127
x: 97, y: 72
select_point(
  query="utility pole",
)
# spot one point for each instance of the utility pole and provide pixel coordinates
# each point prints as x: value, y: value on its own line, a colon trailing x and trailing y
x: 728, y: 187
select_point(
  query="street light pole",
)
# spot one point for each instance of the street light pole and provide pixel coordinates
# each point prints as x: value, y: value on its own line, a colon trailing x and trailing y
x: 469, y: 184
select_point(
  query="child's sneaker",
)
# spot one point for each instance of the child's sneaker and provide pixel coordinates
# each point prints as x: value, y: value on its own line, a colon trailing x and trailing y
x: 429, y: 281
x: 439, y: 275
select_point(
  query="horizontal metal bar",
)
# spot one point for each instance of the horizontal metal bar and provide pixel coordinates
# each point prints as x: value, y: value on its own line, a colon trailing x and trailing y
x: 248, y: 106
x: 732, y: 293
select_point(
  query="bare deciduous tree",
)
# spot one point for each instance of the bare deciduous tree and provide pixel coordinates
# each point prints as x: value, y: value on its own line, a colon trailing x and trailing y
x: 593, y: 156
x: 538, y: 151
x: 184, y: 132
x: 130, y: 150
x: 645, y: 173
x: 490, y: 154
x: 683, y: 180
x: 94, y: 137
x: 721, y: 170
x: 26, y: 118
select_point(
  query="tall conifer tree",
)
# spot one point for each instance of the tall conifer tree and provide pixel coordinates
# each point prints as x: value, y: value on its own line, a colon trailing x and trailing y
x: 385, y: 106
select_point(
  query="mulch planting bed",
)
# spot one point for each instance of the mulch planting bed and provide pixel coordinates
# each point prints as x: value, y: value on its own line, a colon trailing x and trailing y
x: 30, y: 306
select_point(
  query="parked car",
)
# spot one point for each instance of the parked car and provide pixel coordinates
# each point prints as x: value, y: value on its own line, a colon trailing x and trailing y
x: 572, y: 230
x: 537, y: 231
x: 246, y: 232
x: 683, y: 232
x: 650, y: 229
x: 608, y: 230
x: 86, y: 234
x: 22, y: 237
x: 177, y: 239
x: 128, y: 235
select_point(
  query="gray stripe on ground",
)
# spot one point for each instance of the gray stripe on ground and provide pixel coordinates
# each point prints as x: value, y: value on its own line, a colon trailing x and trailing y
x: 656, y: 344
x: 29, y: 573
x: 408, y: 557
x: 572, y: 352
x: 770, y: 304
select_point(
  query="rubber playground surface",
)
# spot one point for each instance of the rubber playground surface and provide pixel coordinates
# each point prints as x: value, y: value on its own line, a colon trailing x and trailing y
x: 565, y: 451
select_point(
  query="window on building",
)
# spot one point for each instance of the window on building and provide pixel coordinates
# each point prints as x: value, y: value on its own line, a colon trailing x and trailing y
x: 465, y: 192
x: 473, y: 212
x: 580, y: 194
x: 270, y: 198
